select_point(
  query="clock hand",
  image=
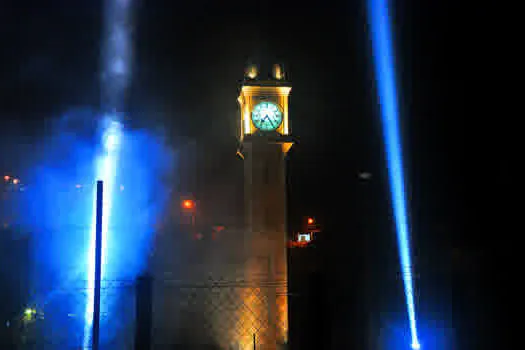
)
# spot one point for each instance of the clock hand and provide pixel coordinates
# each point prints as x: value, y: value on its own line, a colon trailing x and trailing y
x: 272, y: 122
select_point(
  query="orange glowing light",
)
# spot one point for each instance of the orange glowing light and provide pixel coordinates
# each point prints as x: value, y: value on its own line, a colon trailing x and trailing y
x: 251, y: 72
x: 310, y: 221
x: 188, y: 204
x: 278, y: 72
x: 7, y: 177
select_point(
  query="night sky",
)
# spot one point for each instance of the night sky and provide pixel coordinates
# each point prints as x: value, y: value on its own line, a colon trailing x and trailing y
x: 189, y: 58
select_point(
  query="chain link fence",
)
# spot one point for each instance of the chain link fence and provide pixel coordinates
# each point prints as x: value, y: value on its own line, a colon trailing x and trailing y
x: 219, y: 315
x: 211, y: 315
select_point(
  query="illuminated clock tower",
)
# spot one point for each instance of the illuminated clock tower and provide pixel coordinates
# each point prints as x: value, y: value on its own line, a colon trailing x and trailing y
x: 264, y: 143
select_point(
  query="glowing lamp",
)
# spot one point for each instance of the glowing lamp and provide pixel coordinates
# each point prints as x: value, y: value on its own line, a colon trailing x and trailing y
x: 7, y: 177
x: 188, y: 204
x: 16, y: 181
x: 304, y: 237
x: 278, y: 73
x: 29, y: 313
x: 251, y: 72
x: 311, y: 221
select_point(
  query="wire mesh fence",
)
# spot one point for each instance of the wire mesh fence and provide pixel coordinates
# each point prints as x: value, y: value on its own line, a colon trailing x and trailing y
x: 209, y: 315
x: 220, y: 315
x: 60, y: 318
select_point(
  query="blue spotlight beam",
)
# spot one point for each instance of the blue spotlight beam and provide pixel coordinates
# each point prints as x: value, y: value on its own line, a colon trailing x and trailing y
x: 384, y: 69
x: 106, y: 168
x: 98, y: 267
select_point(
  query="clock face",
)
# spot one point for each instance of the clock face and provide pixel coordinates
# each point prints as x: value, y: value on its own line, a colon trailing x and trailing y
x: 266, y: 116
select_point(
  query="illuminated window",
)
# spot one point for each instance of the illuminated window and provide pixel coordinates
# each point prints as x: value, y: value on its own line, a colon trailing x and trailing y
x: 304, y: 237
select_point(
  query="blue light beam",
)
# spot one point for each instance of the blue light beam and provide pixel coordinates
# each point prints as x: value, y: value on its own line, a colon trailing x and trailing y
x: 106, y: 171
x: 384, y: 69
x: 57, y: 210
x: 116, y: 74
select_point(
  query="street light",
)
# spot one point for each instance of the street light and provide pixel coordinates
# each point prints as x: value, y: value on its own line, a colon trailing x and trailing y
x: 29, y: 314
x: 188, y: 204
x: 310, y: 225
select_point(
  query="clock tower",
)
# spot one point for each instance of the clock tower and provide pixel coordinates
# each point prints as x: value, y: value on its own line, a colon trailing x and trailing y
x: 265, y: 140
